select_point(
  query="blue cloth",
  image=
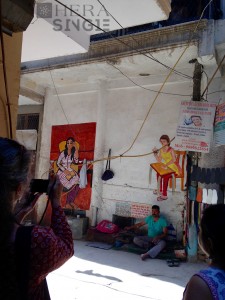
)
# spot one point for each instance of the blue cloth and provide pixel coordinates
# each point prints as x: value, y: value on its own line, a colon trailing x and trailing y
x: 155, y: 228
x: 215, y: 279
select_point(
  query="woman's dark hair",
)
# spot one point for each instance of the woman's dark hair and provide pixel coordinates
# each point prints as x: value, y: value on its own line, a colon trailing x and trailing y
x: 213, y: 229
x: 14, y: 167
x: 165, y: 137
x: 72, y: 150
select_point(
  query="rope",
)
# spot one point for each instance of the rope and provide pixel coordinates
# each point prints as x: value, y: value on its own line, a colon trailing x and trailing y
x: 156, y: 97
x: 168, y: 76
x: 128, y: 156
x: 213, y: 76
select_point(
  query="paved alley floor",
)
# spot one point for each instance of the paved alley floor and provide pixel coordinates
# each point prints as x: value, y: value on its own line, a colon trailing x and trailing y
x: 98, y: 274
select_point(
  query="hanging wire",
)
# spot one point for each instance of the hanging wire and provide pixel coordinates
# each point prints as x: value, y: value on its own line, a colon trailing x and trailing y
x: 168, y: 76
x: 121, y: 41
x: 144, y: 88
x: 216, y: 92
x: 214, y: 74
x: 104, y: 158
x: 150, y: 56
x: 171, y: 71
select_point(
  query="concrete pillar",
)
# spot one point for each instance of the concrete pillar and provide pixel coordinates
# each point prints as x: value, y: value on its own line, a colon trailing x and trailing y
x: 42, y: 168
x: 97, y: 186
x: 45, y: 138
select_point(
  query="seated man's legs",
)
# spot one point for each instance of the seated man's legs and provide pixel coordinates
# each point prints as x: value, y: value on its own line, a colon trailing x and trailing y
x: 155, y: 250
x: 142, y: 241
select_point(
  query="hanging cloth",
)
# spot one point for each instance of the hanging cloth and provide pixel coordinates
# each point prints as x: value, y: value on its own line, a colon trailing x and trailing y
x: 83, y: 175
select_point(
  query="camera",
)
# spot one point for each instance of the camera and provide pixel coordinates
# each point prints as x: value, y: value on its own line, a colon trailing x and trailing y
x: 39, y: 185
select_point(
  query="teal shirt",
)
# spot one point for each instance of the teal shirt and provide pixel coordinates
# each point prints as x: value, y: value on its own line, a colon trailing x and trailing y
x: 155, y: 228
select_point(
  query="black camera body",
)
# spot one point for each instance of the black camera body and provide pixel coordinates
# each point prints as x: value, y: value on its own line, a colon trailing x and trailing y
x: 39, y: 185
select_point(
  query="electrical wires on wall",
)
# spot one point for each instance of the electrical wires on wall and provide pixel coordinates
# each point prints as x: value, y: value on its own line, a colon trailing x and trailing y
x: 150, y: 56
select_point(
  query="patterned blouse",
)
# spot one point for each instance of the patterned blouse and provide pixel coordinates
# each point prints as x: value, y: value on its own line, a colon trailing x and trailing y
x: 48, y: 249
x: 215, y: 279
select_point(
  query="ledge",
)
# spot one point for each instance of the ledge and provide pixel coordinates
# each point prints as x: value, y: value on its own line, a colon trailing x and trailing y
x: 115, y: 48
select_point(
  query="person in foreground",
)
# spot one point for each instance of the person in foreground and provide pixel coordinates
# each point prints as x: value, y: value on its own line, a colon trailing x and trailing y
x: 27, y: 253
x: 209, y: 284
x: 154, y: 242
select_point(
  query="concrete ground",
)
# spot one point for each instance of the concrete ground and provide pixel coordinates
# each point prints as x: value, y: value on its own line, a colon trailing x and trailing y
x: 94, y: 273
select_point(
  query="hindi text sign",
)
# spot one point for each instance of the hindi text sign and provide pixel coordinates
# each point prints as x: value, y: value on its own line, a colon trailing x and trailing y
x: 195, y: 126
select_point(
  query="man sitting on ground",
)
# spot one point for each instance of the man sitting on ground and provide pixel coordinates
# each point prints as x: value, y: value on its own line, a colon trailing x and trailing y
x: 154, y: 242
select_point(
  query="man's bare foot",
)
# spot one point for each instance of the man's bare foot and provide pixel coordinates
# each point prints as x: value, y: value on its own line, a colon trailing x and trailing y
x: 144, y: 256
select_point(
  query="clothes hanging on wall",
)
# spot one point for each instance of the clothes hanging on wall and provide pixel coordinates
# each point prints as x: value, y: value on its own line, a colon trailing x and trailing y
x: 208, y: 175
x: 83, y: 175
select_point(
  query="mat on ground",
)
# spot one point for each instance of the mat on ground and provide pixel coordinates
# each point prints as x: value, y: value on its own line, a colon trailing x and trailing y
x: 99, y: 245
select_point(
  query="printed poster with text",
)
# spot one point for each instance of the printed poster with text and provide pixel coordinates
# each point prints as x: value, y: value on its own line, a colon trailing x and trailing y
x: 219, y: 128
x: 140, y: 210
x: 195, y: 126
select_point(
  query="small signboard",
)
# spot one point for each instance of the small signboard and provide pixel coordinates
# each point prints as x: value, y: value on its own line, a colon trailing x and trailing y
x: 140, y: 210
x: 195, y: 126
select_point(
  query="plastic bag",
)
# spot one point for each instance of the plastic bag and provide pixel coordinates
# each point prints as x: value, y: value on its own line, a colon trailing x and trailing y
x: 107, y: 227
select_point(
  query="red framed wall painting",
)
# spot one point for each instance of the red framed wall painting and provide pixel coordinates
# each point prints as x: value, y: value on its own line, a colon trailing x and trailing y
x: 71, y: 146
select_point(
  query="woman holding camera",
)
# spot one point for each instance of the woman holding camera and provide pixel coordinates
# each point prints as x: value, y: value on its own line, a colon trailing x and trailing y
x: 27, y: 253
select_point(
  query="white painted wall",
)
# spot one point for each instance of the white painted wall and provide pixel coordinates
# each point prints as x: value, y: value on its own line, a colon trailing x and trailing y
x: 124, y: 110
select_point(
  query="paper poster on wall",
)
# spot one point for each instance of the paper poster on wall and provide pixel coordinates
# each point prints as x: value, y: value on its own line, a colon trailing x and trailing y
x: 195, y: 126
x: 140, y: 210
x: 71, y: 147
x: 219, y: 127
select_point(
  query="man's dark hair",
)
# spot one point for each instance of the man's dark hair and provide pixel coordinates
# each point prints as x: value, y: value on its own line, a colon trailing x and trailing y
x: 155, y: 207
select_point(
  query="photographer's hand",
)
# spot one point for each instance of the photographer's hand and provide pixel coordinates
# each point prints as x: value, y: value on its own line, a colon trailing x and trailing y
x: 55, y: 190
x: 25, y: 206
